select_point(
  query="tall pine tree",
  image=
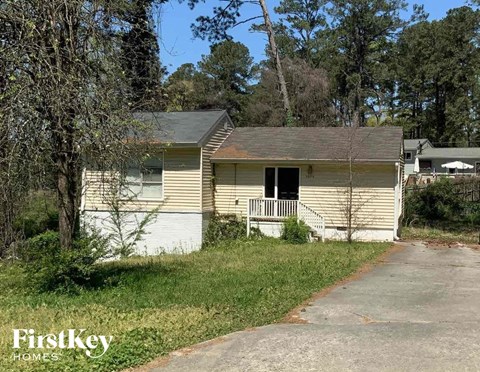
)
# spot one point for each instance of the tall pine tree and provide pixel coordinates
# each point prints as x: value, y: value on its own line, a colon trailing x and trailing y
x: 141, y: 57
x: 438, y: 78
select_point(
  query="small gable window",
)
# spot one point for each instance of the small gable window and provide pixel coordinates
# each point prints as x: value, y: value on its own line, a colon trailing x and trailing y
x: 408, y: 155
x: 144, y: 181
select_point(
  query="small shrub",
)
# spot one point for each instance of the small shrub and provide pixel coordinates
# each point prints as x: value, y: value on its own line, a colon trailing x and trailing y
x: 436, y: 202
x: 50, y: 268
x: 221, y: 228
x: 294, y: 231
x: 126, y: 230
x: 472, y: 213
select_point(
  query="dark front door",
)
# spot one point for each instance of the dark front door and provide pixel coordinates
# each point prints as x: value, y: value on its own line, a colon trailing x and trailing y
x: 288, y: 183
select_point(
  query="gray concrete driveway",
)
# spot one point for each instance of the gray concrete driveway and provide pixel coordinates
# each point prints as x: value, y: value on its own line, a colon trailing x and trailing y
x: 419, y: 311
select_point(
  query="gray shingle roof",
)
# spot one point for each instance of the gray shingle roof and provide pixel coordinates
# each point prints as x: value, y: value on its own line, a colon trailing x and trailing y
x: 283, y: 144
x: 451, y: 153
x: 179, y: 127
x: 412, y: 144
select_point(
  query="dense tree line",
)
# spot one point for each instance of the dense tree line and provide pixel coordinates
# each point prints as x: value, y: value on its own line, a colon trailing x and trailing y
x: 346, y: 62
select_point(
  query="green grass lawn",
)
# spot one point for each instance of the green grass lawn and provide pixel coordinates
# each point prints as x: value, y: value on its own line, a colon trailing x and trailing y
x: 438, y: 235
x: 156, y: 305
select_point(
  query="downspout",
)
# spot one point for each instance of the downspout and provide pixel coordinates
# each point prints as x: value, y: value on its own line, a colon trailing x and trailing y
x: 83, y: 190
x: 235, y: 183
x: 83, y: 197
x: 214, y: 188
x: 201, y: 181
x: 396, y: 204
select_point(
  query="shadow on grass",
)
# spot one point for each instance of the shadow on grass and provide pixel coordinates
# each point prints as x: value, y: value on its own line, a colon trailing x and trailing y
x: 128, y: 271
x: 124, y: 273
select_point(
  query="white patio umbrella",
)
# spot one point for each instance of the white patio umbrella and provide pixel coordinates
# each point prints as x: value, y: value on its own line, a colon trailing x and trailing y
x: 457, y: 165
x: 416, y: 167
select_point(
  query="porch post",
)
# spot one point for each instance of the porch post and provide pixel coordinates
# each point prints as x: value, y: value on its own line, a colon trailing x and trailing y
x: 323, y: 229
x: 248, y: 217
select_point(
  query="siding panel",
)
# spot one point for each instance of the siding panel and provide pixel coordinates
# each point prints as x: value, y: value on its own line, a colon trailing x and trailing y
x: 222, y: 131
x: 235, y: 185
x: 181, y: 185
x: 324, y: 190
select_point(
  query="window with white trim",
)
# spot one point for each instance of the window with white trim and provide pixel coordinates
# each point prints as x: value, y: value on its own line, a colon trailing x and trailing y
x: 145, y: 181
x: 408, y: 155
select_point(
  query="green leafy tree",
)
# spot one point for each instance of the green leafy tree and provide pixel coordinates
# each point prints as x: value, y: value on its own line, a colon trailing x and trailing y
x: 359, y: 43
x: 438, y: 71
x: 354, y: 41
x: 225, y: 18
x: 64, y: 98
x: 227, y: 72
x: 181, y: 89
x: 297, y: 30
x: 222, y: 80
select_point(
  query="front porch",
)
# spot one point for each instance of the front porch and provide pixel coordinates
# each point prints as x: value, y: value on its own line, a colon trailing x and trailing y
x: 277, y: 210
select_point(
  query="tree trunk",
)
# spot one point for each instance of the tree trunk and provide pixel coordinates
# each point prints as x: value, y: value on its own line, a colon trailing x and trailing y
x: 356, y: 122
x: 350, y: 199
x: 67, y: 202
x: 278, y: 62
x: 66, y: 159
x: 356, y: 118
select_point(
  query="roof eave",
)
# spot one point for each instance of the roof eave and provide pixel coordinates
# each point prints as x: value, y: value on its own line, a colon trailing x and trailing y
x: 448, y: 156
x: 300, y: 161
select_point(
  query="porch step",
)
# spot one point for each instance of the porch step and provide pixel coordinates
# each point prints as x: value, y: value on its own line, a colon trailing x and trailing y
x: 315, y: 235
x: 279, y: 210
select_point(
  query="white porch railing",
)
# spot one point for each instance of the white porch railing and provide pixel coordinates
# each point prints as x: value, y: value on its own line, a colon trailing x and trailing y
x: 273, y: 209
x: 312, y: 219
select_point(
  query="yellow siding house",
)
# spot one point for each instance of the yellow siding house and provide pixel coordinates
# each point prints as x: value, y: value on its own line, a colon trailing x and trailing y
x: 334, y: 179
x: 176, y: 182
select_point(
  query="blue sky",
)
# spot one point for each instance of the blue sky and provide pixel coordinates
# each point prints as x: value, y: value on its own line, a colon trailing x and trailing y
x: 178, y: 46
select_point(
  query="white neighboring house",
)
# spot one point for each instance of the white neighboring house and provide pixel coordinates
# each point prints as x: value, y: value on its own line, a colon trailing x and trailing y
x: 412, y: 147
x: 177, y: 180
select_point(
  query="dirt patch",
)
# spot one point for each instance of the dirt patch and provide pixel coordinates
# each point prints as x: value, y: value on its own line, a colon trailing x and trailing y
x: 295, y: 315
x: 438, y: 244
x: 442, y: 244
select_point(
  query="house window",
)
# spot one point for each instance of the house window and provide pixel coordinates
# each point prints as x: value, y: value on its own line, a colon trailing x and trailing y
x: 282, y: 183
x: 425, y: 165
x: 408, y: 156
x: 270, y: 181
x: 145, y: 181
